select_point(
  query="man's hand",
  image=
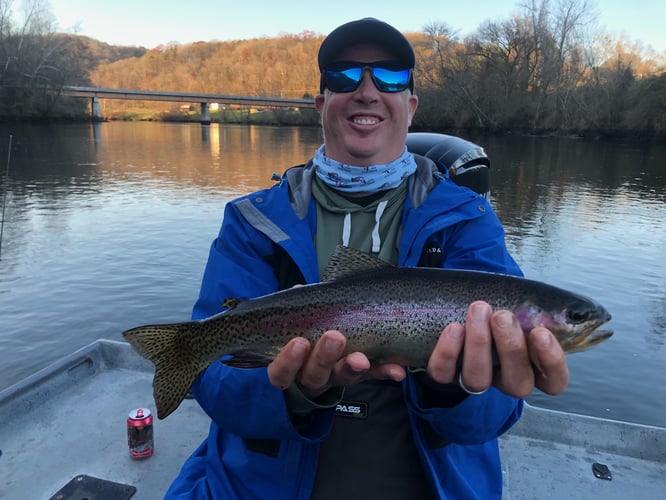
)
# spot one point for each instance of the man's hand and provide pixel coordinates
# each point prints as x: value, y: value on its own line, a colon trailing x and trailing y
x: 526, y: 361
x: 318, y: 368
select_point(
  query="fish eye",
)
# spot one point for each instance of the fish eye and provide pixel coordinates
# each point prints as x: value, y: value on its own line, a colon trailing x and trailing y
x: 578, y: 316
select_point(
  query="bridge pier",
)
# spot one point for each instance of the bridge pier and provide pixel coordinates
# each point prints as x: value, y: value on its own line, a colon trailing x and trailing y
x: 205, y: 113
x: 95, y: 109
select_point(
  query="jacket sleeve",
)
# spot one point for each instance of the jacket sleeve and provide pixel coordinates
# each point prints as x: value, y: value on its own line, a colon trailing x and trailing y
x: 243, y: 401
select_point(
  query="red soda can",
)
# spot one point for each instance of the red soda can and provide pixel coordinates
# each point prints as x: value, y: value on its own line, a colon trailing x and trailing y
x: 140, y: 433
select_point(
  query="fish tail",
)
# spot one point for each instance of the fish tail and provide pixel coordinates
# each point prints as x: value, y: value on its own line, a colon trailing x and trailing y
x: 176, y: 366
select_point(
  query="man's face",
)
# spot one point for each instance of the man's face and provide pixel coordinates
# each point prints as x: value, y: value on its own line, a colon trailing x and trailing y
x: 365, y: 127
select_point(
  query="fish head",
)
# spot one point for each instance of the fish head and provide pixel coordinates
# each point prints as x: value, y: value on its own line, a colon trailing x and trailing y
x: 574, y: 321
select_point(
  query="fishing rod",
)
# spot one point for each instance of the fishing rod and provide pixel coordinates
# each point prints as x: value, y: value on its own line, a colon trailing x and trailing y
x: 4, y: 192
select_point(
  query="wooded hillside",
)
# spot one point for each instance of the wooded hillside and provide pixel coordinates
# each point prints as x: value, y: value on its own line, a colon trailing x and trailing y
x: 275, y: 67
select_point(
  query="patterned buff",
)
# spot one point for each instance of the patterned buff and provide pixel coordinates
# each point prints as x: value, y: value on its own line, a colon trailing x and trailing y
x: 375, y: 178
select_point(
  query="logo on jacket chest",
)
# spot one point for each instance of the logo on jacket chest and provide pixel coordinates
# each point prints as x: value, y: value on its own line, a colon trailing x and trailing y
x: 352, y: 409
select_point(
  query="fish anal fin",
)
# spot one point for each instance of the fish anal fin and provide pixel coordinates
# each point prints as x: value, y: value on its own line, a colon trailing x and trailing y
x: 169, y: 391
x: 347, y: 261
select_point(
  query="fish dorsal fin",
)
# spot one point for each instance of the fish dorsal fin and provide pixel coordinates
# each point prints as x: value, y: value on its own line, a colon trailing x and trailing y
x: 346, y: 261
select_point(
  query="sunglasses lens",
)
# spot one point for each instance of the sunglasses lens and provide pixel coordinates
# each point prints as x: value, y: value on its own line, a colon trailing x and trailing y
x: 348, y: 78
x: 344, y: 80
x: 388, y: 80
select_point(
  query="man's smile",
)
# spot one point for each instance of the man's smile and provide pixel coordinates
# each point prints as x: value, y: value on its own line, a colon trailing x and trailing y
x: 365, y: 120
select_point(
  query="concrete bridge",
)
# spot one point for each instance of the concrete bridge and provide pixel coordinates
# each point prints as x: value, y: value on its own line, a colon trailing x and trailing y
x: 205, y: 100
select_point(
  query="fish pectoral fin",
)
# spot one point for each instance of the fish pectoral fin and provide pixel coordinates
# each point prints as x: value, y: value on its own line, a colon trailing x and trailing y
x: 347, y: 261
x: 249, y: 359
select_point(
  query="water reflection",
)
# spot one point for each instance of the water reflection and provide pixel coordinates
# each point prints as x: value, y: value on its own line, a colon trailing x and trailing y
x: 528, y: 172
x: 108, y: 226
x: 219, y: 157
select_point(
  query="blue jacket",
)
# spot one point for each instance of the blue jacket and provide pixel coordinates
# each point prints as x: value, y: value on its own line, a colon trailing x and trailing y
x: 253, y: 450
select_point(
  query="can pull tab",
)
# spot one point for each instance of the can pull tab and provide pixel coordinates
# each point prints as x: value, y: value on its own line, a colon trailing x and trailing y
x: 601, y: 471
x: 139, y: 413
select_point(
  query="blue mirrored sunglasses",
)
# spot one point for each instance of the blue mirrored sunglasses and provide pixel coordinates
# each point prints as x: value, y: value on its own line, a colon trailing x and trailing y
x: 347, y: 76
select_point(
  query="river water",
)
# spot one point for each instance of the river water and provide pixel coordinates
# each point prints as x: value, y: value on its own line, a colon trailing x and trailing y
x: 107, y: 227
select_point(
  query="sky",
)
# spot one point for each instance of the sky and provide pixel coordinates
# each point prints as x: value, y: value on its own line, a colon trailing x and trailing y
x: 150, y: 23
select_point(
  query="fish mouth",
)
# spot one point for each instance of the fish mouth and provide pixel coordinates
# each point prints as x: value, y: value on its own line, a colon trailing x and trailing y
x: 586, y: 337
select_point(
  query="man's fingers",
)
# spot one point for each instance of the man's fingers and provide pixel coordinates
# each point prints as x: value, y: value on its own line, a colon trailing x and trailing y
x: 551, y: 370
x: 316, y: 373
x: 283, y: 370
x: 525, y: 361
x: 516, y: 375
x: 386, y: 371
x: 443, y: 363
x: 477, y: 368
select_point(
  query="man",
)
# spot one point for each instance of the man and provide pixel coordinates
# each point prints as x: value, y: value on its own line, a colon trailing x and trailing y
x: 315, y: 423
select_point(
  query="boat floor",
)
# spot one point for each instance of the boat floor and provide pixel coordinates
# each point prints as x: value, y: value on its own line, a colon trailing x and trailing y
x: 69, y: 420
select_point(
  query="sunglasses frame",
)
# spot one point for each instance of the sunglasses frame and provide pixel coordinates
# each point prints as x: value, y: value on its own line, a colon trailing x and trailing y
x: 392, y: 66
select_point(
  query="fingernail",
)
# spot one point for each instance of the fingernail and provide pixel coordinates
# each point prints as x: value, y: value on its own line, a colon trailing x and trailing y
x: 298, y: 348
x: 397, y: 374
x: 455, y: 332
x: 331, y: 345
x: 504, y: 319
x: 544, y: 339
x: 480, y: 312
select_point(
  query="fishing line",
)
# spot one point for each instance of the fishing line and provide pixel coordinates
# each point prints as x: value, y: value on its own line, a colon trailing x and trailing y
x: 4, y: 192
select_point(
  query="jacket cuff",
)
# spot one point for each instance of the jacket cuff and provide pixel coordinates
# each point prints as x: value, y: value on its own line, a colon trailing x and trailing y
x: 432, y: 394
x: 299, y: 405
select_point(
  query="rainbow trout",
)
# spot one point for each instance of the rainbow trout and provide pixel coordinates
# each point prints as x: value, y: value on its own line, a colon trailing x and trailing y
x: 384, y: 311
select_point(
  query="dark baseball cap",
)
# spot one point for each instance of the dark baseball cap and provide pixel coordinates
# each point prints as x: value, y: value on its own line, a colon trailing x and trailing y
x: 366, y: 30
